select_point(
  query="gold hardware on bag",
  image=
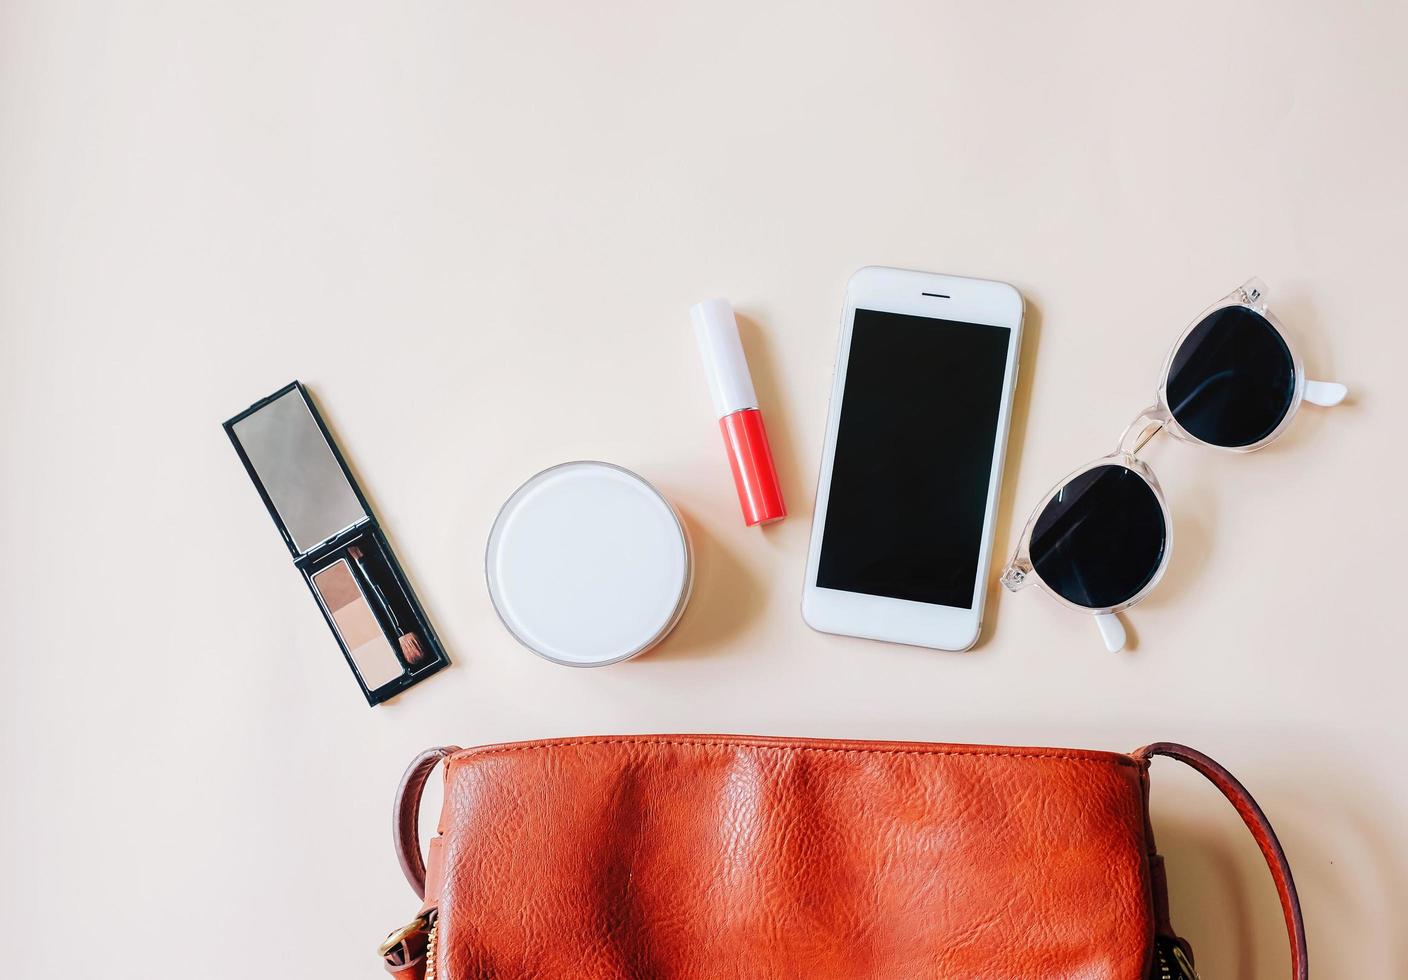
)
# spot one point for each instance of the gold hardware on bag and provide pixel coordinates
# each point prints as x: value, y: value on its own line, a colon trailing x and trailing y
x: 399, y: 936
x: 1170, y: 962
x: 1181, y: 958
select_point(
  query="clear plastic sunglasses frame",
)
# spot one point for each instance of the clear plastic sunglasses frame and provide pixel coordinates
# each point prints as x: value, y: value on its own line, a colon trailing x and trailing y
x: 1157, y: 418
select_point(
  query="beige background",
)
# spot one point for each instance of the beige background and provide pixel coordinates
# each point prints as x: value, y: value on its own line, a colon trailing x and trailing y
x: 475, y: 230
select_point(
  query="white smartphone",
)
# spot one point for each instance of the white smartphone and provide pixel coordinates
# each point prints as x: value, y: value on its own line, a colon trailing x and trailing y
x: 915, y: 436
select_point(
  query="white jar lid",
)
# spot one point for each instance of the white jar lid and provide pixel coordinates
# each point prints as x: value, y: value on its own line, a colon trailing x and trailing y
x: 588, y: 564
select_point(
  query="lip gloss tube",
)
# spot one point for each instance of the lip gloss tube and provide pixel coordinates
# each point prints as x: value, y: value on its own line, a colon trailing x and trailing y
x: 736, y: 404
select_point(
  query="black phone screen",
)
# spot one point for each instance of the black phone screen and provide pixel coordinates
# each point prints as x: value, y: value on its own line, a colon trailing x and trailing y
x: 914, y: 457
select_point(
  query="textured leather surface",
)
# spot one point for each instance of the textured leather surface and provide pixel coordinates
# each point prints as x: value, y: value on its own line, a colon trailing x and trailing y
x: 719, y: 857
x: 776, y: 792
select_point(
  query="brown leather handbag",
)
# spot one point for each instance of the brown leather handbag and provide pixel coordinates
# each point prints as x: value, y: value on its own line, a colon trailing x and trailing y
x: 711, y: 856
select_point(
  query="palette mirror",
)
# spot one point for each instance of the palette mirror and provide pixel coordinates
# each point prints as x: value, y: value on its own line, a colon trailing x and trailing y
x: 304, y: 481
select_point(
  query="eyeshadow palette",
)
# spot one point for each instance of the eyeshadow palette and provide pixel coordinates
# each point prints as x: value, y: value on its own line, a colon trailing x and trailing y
x: 336, y: 543
x: 351, y: 611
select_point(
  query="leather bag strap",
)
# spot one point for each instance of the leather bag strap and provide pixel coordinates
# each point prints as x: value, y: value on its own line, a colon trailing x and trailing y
x: 1261, y: 830
x: 405, y: 817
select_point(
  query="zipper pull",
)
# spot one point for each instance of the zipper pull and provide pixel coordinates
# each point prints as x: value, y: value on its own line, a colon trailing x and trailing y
x: 1170, y: 962
x: 397, y: 937
x: 1184, y: 966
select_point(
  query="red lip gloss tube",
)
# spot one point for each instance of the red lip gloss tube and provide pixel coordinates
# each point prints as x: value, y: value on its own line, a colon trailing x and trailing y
x: 736, y: 404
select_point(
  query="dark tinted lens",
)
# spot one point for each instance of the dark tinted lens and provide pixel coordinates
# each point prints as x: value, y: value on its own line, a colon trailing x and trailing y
x: 1232, y: 379
x: 1101, y: 538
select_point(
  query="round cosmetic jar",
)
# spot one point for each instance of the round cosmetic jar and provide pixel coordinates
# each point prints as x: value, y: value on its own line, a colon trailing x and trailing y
x: 588, y: 564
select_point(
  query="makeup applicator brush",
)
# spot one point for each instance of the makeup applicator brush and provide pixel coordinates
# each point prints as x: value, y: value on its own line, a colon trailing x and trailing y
x: 411, y: 650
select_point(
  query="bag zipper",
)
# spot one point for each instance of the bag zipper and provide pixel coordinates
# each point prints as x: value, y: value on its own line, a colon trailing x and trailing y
x: 430, y: 948
x: 1170, y: 962
x: 427, y: 924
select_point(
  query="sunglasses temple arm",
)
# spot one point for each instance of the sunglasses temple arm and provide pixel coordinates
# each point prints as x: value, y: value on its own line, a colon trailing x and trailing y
x: 1325, y: 393
x: 1111, y: 631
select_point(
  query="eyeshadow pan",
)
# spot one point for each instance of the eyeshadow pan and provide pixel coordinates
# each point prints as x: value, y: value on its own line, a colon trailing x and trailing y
x: 368, y: 646
x: 376, y: 662
x: 356, y: 622
x: 336, y: 586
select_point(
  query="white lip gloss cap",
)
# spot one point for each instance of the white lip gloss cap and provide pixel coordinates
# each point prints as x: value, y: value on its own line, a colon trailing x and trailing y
x: 730, y: 384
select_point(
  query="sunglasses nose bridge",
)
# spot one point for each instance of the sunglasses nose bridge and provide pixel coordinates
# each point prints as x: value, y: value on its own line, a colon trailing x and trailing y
x: 1137, y: 434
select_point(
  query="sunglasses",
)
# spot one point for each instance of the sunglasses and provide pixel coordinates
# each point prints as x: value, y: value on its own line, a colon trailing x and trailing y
x: 1101, y: 539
